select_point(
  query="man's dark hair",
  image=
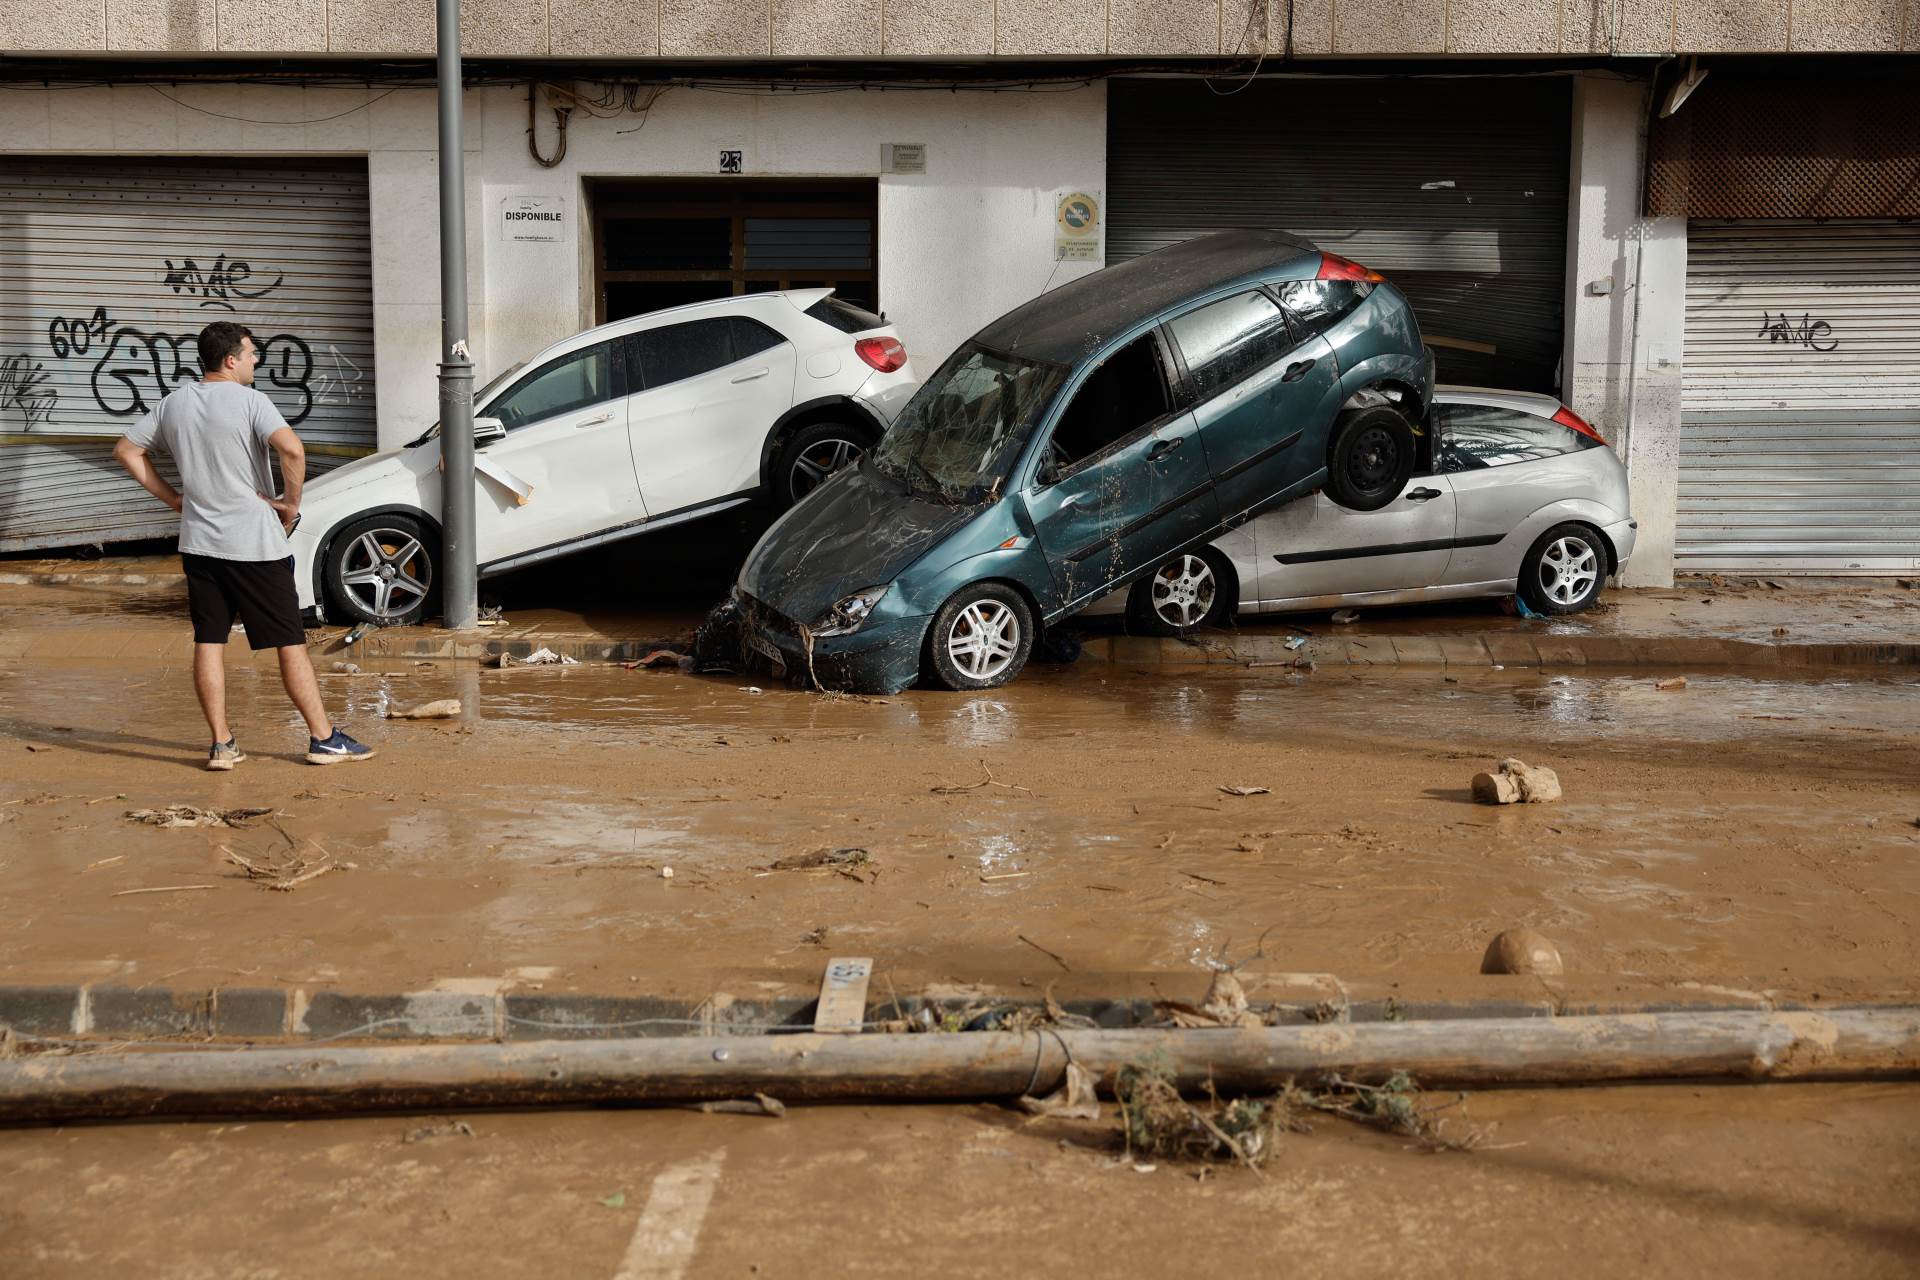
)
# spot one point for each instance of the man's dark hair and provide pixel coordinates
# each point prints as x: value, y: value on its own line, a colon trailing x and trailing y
x: 219, y: 340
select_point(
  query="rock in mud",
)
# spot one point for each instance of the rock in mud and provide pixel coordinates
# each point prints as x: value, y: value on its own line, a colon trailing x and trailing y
x: 1521, y: 951
x: 1516, y: 782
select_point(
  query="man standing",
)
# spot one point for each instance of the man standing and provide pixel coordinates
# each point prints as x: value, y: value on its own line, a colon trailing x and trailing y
x: 233, y: 534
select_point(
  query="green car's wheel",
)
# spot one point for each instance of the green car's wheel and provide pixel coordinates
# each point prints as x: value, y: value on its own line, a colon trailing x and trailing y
x: 981, y: 638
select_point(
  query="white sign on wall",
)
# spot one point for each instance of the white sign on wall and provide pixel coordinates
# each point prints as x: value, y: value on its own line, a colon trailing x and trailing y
x: 1076, y: 228
x: 534, y: 219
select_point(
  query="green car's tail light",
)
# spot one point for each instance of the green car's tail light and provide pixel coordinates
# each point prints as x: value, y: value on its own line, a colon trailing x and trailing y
x: 884, y: 354
x: 1574, y: 422
x: 1335, y: 267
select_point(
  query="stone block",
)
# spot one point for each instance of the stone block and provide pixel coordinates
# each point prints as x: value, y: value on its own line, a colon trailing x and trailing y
x: 1050, y: 27
x: 133, y: 1011
x: 1148, y: 650
x: 40, y: 1011
x: 1377, y: 652
x: 1419, y: 651
x: 1512, y: 650
x: 1607, y: 651
x: 1163, y: 28
x: 380, y: 26
x: 714, y: 29
x: 1503, y: 26
x: 1560, y: 651
x: 930, y: 27
x: 269, y: 26
x: 420, y: 1014
x: 503, y: 27
x: 1247, y: 27
x: 64, y: 26
x: 1389, y: 26
x: 1730, y: 26
x: 603, y: 28
x: 1849, y: 26
x: 1312, y: 25
x: 825, y: 29
x: 160, y: 26
x: 1464, y: 651
x: 251, y: 1013
x: 533, y: 1016
x: 1618, y: 26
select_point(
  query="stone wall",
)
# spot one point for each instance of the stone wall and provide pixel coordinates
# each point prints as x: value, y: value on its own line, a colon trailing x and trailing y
x: 964, y: 28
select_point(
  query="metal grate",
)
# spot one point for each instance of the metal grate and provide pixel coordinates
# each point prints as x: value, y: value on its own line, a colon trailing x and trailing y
x: 1761, y: 150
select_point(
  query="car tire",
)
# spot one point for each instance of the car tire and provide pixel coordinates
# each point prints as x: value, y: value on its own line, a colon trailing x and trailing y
x: 382, y: 569
x: 1370, y: 457
x: 811, y: 455
x: 1564, y: 570
x: 981, y: 638
x: 1184, y: 593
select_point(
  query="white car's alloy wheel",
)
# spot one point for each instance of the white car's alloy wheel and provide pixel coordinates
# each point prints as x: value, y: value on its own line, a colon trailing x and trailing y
x: 819, y: 460
x: 386, y: 572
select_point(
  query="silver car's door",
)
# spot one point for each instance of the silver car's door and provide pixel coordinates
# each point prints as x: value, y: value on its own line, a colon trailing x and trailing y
x: 1504, y: 466
x: 1315, y: 547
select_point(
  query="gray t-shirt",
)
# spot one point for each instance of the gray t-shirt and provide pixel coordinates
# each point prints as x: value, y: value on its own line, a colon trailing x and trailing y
x: 217, y: 434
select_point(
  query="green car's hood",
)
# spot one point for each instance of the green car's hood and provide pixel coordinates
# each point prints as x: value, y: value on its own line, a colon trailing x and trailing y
x: 859, y: 530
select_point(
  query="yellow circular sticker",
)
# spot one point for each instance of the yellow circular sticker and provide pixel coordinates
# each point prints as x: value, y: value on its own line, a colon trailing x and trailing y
x: 1079, y: 215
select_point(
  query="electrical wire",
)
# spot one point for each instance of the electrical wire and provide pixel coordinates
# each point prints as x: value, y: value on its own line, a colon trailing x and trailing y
x: 221, y: 115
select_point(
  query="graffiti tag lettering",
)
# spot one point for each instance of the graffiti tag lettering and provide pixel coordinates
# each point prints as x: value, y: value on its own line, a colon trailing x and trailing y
x: 214, y: 285
x: 75, y: 336
x: 23, y: 387
x: 136, y: 363
x: 1814, y: 334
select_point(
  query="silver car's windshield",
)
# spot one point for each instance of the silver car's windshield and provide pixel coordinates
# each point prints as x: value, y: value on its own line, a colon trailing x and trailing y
x: 961, y: 431
x: 479, y: 398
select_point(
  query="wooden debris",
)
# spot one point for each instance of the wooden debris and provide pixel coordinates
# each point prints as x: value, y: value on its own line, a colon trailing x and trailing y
x: 165, y: 888
x: 186, y: 815
x: 441, y: 709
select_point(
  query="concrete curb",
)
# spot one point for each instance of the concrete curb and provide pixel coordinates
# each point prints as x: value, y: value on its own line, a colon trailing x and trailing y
x: 107, y: 1012
x: 93, y: 579
x: 1505, y: 649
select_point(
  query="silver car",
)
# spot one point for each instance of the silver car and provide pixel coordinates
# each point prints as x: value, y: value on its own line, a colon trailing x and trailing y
x: 1513, y: 494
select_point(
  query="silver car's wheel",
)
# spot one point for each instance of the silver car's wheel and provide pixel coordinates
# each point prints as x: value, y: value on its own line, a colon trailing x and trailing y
x: 983, y: 639
x: 1564, y: 569
x: 385, y: 574
x: 820, y: 460
x: 1568, y: 570
x: 1183, y: 591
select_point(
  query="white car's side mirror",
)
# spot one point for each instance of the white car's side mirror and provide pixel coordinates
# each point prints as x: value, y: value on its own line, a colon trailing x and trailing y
x: 487, y: 430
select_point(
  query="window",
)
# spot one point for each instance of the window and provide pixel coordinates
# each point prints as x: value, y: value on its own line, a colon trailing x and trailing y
x: 1319, y: 304
x: 1228, y: 340
x: 574, y: 381
x: 844, y: 316
x: 1474, y: 437
x: 964, y: 426
x: 680, y: 351
x: 1122, y: 396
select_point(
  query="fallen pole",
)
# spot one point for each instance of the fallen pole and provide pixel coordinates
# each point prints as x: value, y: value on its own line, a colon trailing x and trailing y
x: 1842, y: 1044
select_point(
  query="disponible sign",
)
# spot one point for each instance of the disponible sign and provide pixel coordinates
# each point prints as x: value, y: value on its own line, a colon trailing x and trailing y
x: 534, y: 219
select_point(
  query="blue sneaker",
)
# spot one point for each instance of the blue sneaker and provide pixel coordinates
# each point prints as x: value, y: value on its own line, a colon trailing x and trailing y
x: 224, y: 755
x: 336, y: 750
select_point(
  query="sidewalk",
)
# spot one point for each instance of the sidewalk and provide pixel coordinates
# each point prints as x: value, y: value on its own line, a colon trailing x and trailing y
x: 58, y: 608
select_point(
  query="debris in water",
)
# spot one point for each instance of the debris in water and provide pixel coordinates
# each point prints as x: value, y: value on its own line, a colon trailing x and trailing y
x: 445, y: 1129
x: 618, y: 1200
x: 657, y: 658
x: 186, y: 815
x: 1076, y: 1099
x: 1671, y: 683
x: 954, y: 789
x: 288, y: 875
x: 1296, y: 642
x: 666, y: 873
x: 1516, y: 782
x: 1225, y: 1005
x: 1158, y: 1122
x: 541, y: 657
x: 823, y: 858
x: 347, y: 668
x: 1246, y: 791
x: 443, y: 709
x: 1346, y: 615
x: 1521, y: 951
x: 759, y: 1105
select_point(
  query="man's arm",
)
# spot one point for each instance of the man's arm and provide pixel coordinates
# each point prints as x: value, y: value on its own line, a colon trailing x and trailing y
x: 140, y: 466
x: 293, y: 474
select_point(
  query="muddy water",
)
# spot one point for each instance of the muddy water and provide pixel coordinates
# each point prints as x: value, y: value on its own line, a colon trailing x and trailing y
x: 1739, y: 830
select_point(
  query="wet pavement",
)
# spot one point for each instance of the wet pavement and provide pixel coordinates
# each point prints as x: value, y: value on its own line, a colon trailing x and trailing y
x: 1757, y: 832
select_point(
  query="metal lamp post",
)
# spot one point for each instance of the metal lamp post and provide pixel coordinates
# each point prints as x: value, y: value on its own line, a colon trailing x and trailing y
x: 460, y: 583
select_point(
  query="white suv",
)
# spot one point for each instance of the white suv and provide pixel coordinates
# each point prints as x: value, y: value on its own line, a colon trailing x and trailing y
x: 617, y: 431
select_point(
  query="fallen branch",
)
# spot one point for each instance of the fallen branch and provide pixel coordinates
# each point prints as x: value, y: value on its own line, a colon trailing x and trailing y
x: 165, y: 888
x: 954, y: 789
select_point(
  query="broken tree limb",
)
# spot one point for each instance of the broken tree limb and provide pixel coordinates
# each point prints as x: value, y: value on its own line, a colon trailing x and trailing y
x: 1879, y: 1043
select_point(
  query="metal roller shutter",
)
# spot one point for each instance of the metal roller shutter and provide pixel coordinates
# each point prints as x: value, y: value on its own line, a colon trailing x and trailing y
x: 1800, y: 405
x: 110, y: 267
x: 1456, y: 189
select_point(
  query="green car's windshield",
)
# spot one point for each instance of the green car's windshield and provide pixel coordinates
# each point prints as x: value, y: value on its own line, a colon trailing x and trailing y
x: 964, y: 427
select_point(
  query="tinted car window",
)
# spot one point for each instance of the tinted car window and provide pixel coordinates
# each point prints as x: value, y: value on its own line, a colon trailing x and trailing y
x: 573, y: 381
x: 1473, y: 437
x: 1124, y: 394
x: 844, y: 316
x: 1318, y: 304
x: 1225, y: 341
x: 750, y: 338
x: 682, y: 351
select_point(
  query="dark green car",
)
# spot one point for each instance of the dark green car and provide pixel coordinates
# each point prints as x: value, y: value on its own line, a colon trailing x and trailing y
x: 1072, y: 445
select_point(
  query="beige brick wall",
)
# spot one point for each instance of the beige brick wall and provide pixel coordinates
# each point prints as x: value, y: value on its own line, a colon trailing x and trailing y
x: 965, y: 28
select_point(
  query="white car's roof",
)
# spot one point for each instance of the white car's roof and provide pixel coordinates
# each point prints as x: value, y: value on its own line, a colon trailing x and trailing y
x: 798, y: 299
x: 1520, y: 401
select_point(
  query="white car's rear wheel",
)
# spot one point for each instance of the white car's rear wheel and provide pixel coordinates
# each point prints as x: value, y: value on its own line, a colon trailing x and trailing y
x: 382, y: 569
x: 813, y: 454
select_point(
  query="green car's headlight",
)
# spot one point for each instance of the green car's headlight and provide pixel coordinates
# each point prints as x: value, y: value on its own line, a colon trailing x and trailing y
x: 849, y: 612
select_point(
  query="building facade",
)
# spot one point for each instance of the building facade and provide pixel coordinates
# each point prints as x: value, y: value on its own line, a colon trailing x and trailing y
x: 1697, y: 224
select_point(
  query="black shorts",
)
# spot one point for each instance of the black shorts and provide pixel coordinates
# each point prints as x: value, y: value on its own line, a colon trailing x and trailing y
x: 259, y: 592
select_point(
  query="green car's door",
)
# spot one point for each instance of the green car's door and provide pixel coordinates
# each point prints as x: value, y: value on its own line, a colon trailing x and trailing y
x: 1125, y: 482
x: 1263, y: 395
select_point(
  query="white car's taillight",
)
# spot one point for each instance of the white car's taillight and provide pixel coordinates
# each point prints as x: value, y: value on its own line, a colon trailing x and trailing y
x: 884, y: 354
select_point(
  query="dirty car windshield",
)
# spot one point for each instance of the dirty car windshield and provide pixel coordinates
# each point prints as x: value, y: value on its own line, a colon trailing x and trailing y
x: 961, y: 430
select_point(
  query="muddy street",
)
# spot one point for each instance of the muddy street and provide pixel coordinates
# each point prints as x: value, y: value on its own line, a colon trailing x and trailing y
x: 1753, y: 833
